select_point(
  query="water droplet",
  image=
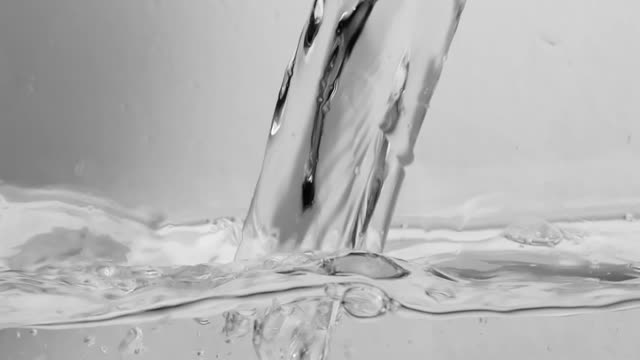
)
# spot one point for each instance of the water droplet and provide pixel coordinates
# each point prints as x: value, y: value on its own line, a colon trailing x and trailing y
x: 200, y: 353
x: 104, y: 349
x: 33, y: 332
x: 132, y: 342
x: 202, y: 321
x: 356, y: 170
x: 89, y: 340
x: 18, y: 334
x: 364, y: 301
x: 534, y: 232
x: 629, y: 217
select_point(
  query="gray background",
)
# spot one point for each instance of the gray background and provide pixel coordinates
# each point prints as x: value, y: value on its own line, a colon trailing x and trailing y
x: 168, y: 103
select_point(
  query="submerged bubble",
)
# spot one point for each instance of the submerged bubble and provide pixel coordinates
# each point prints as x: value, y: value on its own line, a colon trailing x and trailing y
x: 236, y: 325
x: 33, y: 332
x: 629, y: 217
x: 534, y: 232
x: 104, y: 349
x: 370, y: 265
x: 440, y: 295
x: 132, y: 342
x: 202, y: 321
x: 106, y: 270
x: 199, y: 352
x: 364, y: 301
x: 297, y: 330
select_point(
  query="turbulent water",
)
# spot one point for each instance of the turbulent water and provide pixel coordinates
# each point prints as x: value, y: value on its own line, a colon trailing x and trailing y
x: 316, y: 243
x: 68, y: 260
x: 351, y: 105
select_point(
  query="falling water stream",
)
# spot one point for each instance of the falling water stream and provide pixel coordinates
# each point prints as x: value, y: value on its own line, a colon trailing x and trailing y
x: 318, y: 242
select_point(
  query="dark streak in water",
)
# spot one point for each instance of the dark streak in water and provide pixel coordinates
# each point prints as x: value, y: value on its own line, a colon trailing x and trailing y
x: 315, y: 20
x: 345, y: 38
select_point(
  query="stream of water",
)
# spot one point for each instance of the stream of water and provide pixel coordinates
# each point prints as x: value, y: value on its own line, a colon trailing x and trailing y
x: 316, y: 244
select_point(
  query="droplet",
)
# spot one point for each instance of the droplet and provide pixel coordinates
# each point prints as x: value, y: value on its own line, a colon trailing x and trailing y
x: 364, y: 301
x: 33, y: 332
x: 629, y: 217
x: 200, y: 353
x: 89, y: 340
x: 534, y: 232
x: 18, y: 334
x: 104, y: 349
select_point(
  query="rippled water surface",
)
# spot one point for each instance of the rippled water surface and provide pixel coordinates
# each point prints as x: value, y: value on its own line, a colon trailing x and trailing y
x: 69, y: 260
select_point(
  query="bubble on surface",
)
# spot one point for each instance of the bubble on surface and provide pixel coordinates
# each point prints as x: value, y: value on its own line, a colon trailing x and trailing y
x: 534, y: 232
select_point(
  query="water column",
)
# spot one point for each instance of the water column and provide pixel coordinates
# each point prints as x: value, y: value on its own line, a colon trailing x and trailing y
x: 348, y: 113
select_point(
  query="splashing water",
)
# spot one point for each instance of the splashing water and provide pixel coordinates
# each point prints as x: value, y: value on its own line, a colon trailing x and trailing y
x: 316, y: 244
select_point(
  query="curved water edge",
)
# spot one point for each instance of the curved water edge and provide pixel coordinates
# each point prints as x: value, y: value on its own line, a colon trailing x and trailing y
x: 67, y: 264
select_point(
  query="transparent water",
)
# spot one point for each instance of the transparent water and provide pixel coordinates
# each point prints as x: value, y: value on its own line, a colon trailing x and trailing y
x: 316, y: 246
x: 71, y: 261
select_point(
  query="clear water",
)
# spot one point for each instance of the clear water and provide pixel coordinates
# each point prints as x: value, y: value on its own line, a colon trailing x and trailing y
x: 70, y: 261
x: 316, y: 244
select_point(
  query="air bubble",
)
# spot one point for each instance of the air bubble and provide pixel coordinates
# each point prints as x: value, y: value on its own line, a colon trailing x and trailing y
x: 365, y: 301
x: 236, y: 325
x: 534, y: 232
x: 202, y: 321
x: 132, y: 342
